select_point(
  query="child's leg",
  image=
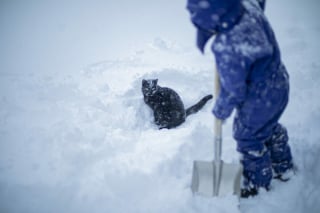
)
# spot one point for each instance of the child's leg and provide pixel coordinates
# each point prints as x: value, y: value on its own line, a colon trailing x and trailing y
x: 253, y: 127
x: 257, y: 170
x: 256, y: 160
x: 280, y: 152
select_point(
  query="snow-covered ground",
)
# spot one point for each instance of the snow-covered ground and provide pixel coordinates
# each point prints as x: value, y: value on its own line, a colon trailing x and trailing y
x: 75, y: 135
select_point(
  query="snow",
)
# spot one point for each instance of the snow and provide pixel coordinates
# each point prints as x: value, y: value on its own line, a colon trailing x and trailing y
x: 75, y: 135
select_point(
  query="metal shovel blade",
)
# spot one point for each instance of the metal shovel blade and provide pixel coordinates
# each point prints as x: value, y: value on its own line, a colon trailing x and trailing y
x: 216, y: 178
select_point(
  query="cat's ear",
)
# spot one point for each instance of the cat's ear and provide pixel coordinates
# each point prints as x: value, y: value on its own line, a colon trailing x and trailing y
x: 144, y: 82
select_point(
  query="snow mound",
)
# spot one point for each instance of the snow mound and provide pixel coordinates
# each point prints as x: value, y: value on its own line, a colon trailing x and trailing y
x: 80, y: 142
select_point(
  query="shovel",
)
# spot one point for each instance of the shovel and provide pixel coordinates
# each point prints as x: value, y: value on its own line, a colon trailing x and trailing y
x: 216, y: 178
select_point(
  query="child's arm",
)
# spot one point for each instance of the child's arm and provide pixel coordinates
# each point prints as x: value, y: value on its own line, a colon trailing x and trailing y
x: 233, y: 70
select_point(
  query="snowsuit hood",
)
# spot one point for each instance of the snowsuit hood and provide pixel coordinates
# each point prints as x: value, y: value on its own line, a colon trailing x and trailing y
x: 213, y: 16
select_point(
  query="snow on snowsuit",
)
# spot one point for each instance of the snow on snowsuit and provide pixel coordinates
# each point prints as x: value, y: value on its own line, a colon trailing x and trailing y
x: 253, y: 81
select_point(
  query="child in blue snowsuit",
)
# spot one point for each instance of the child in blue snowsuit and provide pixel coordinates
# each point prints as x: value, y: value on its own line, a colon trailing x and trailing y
x: 253, y: 81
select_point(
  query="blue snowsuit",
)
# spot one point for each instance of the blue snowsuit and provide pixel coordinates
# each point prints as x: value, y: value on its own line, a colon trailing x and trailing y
x: 253, y: 81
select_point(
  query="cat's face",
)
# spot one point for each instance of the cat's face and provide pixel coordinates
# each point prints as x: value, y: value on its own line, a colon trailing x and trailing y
x: 149, y: 86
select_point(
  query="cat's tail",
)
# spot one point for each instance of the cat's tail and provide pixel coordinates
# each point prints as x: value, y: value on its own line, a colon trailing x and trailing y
x: 195, y: 108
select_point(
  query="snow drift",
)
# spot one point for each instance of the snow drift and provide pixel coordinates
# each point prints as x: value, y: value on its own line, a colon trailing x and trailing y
x: 84, y: 141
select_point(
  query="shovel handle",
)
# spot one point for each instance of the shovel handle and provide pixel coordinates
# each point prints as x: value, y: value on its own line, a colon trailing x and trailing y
x: 217, y: 122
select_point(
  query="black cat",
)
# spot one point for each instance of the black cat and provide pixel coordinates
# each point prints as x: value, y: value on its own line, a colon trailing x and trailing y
x: 167, y: 105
